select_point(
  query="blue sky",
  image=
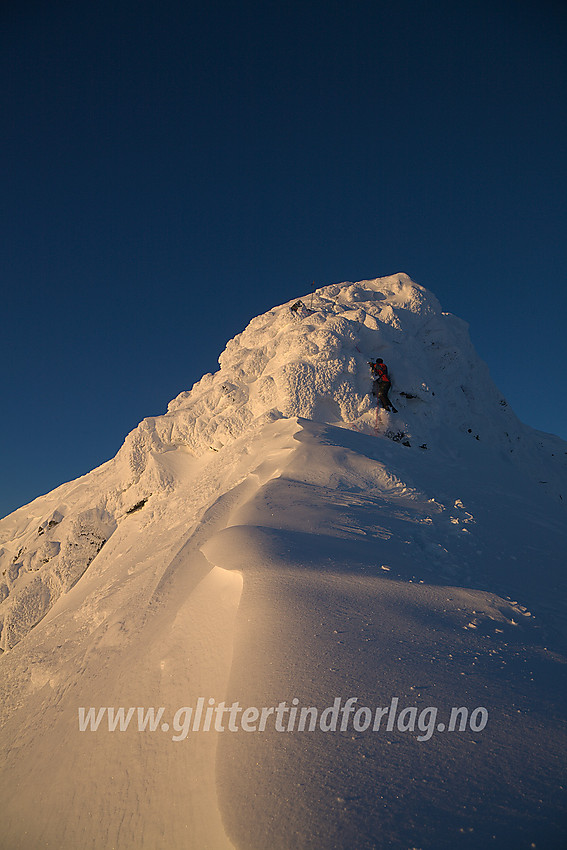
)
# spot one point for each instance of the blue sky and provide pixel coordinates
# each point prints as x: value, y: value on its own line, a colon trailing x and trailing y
x: 173, y: 169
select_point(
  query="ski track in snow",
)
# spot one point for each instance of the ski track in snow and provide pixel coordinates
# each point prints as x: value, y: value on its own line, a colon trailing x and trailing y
x: 261, y: 542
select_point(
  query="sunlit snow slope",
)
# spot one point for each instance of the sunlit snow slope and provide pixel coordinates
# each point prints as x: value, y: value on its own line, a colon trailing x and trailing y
x: 269, y: 539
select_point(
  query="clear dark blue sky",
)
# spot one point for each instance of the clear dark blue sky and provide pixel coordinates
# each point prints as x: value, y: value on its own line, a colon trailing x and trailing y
x: 172, y: 169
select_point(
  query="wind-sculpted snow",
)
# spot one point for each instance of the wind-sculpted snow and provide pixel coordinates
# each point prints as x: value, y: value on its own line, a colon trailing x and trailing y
x: 50, y: 567
x: 312, y: 363
x: 268, y: 540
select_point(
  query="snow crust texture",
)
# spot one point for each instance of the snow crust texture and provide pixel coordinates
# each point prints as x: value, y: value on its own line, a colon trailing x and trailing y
x: 270, y: 539
x: 312, y: 363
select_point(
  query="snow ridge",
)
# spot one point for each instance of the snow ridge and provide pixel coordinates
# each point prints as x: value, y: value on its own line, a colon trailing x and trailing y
x: 311, y: 363
x: 306, y: 360
x: 267, y: 542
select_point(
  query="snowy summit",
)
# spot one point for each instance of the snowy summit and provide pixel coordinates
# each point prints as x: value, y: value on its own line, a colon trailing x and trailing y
x: 299, y: 588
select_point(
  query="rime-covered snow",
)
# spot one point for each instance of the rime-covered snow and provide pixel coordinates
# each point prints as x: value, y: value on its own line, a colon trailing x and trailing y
x: 269, y: 538
x: 312, y: 363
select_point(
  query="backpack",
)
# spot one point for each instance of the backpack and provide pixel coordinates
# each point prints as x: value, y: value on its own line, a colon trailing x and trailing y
x: 380, y: 370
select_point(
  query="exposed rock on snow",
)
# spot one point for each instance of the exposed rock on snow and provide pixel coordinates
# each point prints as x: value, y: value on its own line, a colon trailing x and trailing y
x: 42, y: 571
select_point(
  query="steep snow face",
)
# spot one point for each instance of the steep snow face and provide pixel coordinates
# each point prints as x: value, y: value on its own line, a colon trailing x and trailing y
x: 305, y: 361
x: 313, y: 363
x: 303, y: 562
x: 419, y: 556
x: 50, y: 567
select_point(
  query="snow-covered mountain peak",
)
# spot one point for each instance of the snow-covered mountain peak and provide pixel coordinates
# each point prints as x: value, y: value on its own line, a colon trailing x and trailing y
x: 308, y: 358
x: 270, y: 541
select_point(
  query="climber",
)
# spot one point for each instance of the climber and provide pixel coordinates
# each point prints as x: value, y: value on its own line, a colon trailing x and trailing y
x: 381, y: 384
